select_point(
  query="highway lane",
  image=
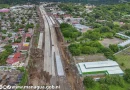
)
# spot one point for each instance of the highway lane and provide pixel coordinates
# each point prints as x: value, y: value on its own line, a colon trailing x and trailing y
x: 51, y: 48
x: 52, y: 59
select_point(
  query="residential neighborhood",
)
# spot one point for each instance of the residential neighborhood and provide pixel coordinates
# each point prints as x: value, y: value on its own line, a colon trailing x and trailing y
x: 17, y: 25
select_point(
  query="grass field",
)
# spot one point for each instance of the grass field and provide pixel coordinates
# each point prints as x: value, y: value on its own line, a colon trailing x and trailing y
x: 124, y: 57
x: 111, y: 87
x: 4, y: 6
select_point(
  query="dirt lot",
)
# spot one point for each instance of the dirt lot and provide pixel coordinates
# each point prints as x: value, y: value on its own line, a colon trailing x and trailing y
x: 89, y: 58
x: 106, y: 42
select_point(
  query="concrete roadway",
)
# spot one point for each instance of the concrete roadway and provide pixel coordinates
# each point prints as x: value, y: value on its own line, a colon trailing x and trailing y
x: 52, y: 65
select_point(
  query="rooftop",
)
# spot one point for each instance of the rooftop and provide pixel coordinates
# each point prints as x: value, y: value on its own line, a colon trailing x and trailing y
x: 4, y: 10
x: 124, y: 43
x: 111, y: 67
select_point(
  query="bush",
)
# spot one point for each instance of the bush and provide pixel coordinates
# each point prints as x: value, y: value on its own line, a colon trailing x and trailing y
x: 112, y: 80
x: 127, y: 75
x: 89, y: 82
x: 114, y: 48
x: 104, y: 87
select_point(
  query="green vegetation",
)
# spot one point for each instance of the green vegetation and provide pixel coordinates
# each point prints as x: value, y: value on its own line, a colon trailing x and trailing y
x: 99, y: 86
x: 114, y: 48
x: 4, y: 31
x: 127, y: 33
x: 4, y: 6
x: 89, y: 82
x: 69, y: 31
x: 113, y: 82
x: 4, y: 55
x: 123, y: 58
x: 97, y: 72
x: 127, y: 75
x: 29, y: 26
x: 70, y: 7
x: 18, y: 40
x: 105, y: 21
x: 9, y: 35
x: 88, y: 44
x: 121, y: 37
x: 28, y: 39
x: 91, y: 47
x: 109, y: 13
x: 24, y: 77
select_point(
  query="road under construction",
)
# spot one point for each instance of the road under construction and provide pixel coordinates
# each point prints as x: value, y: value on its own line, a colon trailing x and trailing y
x: 55, y: 62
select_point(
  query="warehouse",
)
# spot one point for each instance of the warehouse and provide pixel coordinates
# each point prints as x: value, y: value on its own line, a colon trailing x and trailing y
x: 81, y: 28
x: 125, y: 43
x: 122, y: 35
x: 99, y: 68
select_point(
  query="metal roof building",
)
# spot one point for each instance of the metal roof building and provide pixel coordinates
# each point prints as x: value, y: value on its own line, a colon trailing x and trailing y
x: 123, y: 35
x: 125, y: 43
x: 99, y: 68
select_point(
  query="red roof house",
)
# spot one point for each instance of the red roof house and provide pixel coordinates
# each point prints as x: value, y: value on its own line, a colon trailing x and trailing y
x: 28, y: 35
x: 17, y: 55
x: 14, y: 59
x: 4, y: 10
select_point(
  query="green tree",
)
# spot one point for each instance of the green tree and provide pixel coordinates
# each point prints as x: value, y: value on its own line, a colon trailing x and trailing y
x: 9, y: 35
x: 114, y: 48
x: 104, y: 29
x: 89, y: 82
x: 127, y: 75
x: 104, y: 87
x: 28, y: 39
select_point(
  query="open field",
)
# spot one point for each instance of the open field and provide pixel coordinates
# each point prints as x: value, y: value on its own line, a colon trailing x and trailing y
x: 124, y: 57
x: 106, y: 42
x: 89, y: 58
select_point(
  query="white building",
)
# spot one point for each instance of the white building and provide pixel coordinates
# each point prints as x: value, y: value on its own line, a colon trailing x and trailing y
x: 123, y: 35
x: 59, y: 20
x: 81, y: 28
x: 99, y: 68
x: 125, y: 43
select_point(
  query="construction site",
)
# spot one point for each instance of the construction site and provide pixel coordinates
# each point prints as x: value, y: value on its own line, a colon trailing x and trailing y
x: 50, y: 61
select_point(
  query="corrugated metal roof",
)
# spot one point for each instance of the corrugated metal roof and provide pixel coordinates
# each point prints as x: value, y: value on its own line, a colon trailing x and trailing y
x: 110, y: 66
x: 124, y: 43
x: 59, y: 66
x: 123, y: 35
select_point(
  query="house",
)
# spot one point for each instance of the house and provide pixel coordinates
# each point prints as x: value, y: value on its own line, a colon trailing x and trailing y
x: 73, y: 20
x: 4, y: 10
x: 81, y: 28
x: 59, y: 20
x: 25, y: 47
x: 13, y: 58
x: 28, y: 35
x: 28, y: 6
x: 60, y: 12
x: 99, y: 69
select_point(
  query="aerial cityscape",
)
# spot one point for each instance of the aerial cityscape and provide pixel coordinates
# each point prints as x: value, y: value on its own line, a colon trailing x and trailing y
x: 64, y: 45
